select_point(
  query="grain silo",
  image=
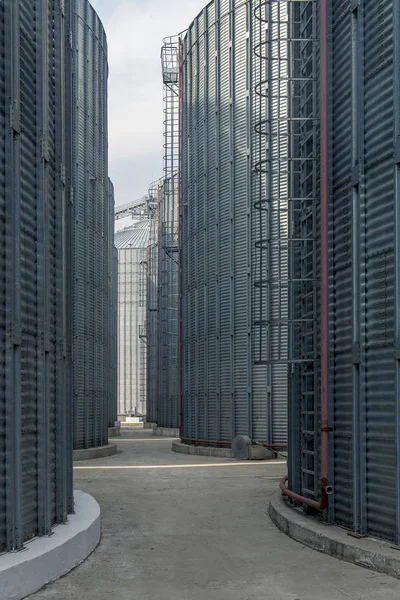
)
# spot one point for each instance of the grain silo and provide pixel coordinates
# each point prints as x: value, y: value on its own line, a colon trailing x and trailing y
x: 364, y: 247
x: 91, y: 230
x: 35, y: 423
x: 112, y: 314
x: 167, y: 405
x: 234, y: 238
x: 344, y: 403
x: 132, y: 244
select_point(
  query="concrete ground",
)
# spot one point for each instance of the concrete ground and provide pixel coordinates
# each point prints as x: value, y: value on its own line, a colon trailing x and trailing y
x: 178, y: 527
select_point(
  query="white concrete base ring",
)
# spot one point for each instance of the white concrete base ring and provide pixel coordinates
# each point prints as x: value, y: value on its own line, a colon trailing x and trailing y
x: 45, y: 559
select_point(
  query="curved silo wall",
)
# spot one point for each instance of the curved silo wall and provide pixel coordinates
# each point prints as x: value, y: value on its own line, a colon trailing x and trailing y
x: 35, y: 430
x: 112, y: 311
x: 234, y: 357
x: 365, y: 269
x: 132, y: 246
x: 91, y: 232
x: 364, y: 278
x: 151, y: 322
x: 167, y: 329
x: 113, y: 415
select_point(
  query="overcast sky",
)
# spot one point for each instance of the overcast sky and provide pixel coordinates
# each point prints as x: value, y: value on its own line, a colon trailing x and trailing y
x: 135, y: 29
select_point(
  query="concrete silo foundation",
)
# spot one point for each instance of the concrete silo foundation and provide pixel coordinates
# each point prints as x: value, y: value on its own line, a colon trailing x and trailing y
x: 45, y: 559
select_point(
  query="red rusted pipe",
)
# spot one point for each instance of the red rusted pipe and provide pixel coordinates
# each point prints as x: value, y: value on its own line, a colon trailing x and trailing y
x: 324, y: 325
x: 184, y: 439
x: 195, y: 440
x: 321, y: 505
x: 273, y: 445
x: 324, y: 238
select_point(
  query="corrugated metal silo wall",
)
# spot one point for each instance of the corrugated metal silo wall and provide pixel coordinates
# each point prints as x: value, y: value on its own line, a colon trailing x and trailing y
x: 231, y: 383
x: 167, y: 332
x: 112, y: 312
x: 132, y: 293
x: 91, y: 214
x: 114, y: 404
x: 35, y: 432
x: 151, y: 325
x: 365, y: 269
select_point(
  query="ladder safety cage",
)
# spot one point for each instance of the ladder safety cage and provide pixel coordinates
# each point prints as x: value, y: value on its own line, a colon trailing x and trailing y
x: 286, y: 166
x: 168, y: 242
x: 154, y: 193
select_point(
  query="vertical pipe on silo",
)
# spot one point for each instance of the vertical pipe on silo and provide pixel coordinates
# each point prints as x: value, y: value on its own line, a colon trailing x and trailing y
x: 396, y: 125
x: 324, y: 237
x: 158, y: 362
x: 68, y: 250
x: 249, y: 196
x: 13, y: 291
x: 272, y: 166
x: 218, y: 214
x: 195, y: 259
x: 179, y: 175
x: 64, y: 450
x: 357, y: 201
x: 42, y: 224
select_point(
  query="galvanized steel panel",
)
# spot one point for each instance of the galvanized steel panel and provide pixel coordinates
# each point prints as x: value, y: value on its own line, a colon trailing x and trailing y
x: 363, y: 243
x: 112, y: 312
x: 151, y: 333
x: 167, y: 306
x: 3, y: 317
x: 363, y: 270
x: 224, y: 377
x: 91, y: 228
x: 35, y: 442
x: 342, y: 215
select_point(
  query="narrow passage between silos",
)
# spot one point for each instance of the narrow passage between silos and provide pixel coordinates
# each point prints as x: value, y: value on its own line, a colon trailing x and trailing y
x: 177, y: 527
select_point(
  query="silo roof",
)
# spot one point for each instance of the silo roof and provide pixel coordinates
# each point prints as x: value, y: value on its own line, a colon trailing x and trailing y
x: 135, y: 236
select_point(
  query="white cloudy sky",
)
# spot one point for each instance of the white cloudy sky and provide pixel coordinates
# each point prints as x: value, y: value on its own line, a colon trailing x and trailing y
x: 135, y: 29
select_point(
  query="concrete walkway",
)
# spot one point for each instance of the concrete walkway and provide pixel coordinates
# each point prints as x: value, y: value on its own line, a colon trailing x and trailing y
x: 179, y: 527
